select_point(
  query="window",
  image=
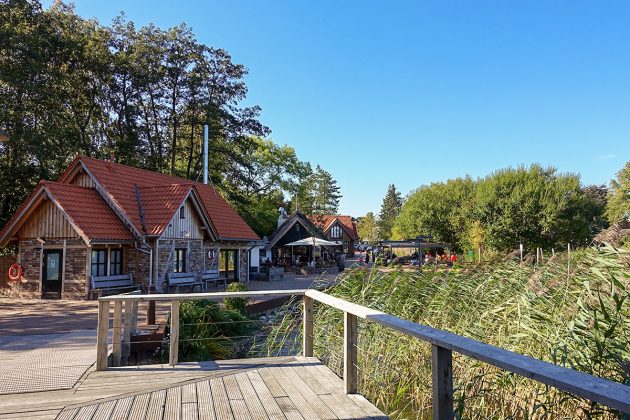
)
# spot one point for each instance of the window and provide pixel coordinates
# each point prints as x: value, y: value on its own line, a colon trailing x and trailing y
x: 179, y: 260
x: 115, y: 262
x: 336, y: 232
x: 182, y: 214
x: 228, y: 264
x: 99, y: 262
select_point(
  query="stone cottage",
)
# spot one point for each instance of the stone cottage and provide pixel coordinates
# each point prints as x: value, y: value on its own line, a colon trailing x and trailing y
x: 105, y: 219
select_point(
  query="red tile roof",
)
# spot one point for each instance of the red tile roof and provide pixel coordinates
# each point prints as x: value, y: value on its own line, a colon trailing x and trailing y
x: 325, y: 222
x: 87, y: 210
x: 159, y: 205
x: 160, y: 194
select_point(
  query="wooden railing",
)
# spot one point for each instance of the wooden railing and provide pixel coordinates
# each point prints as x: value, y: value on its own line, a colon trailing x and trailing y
x: 612, y: 394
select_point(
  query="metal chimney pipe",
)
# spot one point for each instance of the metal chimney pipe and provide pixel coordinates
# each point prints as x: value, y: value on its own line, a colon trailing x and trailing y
x: 205, y: 154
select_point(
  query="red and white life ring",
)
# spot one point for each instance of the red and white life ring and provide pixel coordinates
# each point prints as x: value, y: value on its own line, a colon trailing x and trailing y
x: 15, y: 272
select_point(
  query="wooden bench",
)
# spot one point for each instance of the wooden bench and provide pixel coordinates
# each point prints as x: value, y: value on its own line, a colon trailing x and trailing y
x: 271, y: 273
x: 183, y: 279
x: 103, y: 285
x: 211, y: 276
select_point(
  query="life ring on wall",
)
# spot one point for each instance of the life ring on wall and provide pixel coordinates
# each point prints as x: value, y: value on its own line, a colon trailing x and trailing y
x: 15, y: 272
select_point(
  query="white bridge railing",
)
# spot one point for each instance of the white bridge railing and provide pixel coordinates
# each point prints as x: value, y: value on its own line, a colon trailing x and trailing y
x: 609, y: 393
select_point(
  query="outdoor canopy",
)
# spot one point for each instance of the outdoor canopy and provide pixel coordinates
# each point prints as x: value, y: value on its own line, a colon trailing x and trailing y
x: 313, y: 241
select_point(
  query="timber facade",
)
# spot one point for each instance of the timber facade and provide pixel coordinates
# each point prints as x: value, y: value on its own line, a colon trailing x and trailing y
x: 104, y: 219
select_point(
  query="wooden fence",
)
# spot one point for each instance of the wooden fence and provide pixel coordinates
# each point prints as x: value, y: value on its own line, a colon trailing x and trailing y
x: 443, y: 344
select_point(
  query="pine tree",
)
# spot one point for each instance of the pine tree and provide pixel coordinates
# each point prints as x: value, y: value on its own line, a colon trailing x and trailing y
x: 389, y: 210
x: 326, y: 192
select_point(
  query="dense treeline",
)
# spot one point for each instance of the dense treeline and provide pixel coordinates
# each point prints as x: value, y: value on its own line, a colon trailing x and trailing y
x: 535, y: 206
x: 72, y: 86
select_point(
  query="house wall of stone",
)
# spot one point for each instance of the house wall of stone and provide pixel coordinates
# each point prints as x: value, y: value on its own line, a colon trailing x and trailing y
x: 74, y: 277
x: 194, y: 259
x: 139, y: 265
x: 6, y: 286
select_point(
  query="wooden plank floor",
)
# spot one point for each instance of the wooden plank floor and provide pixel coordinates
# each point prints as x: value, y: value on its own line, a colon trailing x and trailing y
x: 270, y: 388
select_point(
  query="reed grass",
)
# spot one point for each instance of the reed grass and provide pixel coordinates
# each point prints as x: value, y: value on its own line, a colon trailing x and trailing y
x: 575, y: 314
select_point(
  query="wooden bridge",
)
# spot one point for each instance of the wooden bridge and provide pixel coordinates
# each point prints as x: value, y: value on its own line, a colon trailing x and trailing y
x: 299, y: 387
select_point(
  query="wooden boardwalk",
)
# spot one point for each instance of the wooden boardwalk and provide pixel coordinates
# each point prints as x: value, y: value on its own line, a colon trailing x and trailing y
x: 270, y: 388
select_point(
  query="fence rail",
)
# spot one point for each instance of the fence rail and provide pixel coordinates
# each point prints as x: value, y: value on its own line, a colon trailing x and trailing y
x: 609, y: 393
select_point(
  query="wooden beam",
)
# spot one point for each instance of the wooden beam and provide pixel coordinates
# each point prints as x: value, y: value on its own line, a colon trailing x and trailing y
x: 126, y: 342
x: 442, y: 382
x: 307, y: 330
x: 116, y: 335
x: 101, y: 335
x: 173, y: 353
x: 193, y: 296
x: 350, y: 353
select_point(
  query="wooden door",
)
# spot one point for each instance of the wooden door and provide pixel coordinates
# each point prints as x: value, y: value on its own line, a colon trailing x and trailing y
x: 51, y: 274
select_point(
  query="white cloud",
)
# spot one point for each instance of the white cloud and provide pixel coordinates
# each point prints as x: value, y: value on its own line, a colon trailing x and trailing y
x: 604, y: 157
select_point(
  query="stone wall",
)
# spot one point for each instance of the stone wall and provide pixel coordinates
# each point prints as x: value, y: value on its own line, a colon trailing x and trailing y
x: 194, y: 258
x: 243, y: 266
x: 6, y: 286
x: 138, y: 264
x: 75, y: 280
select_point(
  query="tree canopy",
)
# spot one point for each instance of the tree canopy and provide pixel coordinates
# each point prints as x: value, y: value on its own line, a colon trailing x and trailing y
x: 390, y: 208
x: 72, y: 86
x: 367, y: 228
x: 618, y: 206
x: 536, y: 206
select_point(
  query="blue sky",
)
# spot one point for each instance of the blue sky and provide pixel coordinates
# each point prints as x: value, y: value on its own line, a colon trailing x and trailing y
x: 411, y: 92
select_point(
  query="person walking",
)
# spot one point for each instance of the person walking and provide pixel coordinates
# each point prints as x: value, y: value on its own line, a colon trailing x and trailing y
x: 367, y: 257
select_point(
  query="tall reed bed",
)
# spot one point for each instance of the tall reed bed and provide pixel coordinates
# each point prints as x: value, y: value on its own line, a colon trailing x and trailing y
x: 578, y: 318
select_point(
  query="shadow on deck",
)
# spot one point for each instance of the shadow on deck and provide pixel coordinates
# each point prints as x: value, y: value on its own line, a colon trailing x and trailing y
x: 269, y: 388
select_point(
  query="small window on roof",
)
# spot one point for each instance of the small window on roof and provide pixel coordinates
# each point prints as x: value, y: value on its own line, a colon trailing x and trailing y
x: 182, y: 215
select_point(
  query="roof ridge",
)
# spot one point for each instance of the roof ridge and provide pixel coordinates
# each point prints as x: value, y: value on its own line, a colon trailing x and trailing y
x: 63, y: 184
x: 107, y: 162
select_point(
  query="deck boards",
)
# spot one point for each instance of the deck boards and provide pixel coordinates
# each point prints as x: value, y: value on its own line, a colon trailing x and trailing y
x: 273, y: 388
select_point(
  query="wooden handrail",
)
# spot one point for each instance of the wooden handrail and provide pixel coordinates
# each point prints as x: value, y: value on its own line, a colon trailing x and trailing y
x: 196, y: 296
x: 603, y: 391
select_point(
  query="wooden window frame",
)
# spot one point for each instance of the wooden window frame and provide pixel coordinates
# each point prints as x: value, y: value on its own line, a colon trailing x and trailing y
x: 113, y: 263
x: 97, y: 263
x: 179, y: 264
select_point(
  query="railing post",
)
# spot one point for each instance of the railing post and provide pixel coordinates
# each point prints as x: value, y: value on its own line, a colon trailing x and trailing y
x: 134, y: 316
x: 116, y: 335
x: 174, y: 338
x: 151, y: 312
x: 101, y: 335
x: 350, y: 353
x: 307, y: 330
x: 442, y: 381
x: 126, y: 344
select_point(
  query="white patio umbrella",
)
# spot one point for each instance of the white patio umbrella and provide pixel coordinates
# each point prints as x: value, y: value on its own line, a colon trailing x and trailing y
x: 311, y: 241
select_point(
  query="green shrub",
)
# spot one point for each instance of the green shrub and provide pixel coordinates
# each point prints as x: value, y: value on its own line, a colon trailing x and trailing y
x: 237, y: 304
x: 208, y: 331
